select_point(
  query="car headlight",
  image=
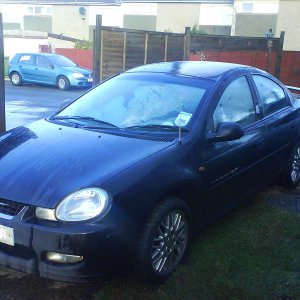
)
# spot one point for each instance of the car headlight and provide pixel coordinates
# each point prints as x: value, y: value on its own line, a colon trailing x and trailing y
x: 78, y: 75
x: 79, y: 206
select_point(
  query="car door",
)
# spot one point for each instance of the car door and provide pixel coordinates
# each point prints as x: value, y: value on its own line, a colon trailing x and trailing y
x: 280, y: 123
x: 44, y: 70
x: 231, y: 169
x: 26, y: 66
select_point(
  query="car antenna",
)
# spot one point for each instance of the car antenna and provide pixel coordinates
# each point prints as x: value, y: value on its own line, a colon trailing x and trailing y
x: 179, y: 132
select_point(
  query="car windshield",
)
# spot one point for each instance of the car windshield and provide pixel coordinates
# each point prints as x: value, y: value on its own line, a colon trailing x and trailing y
x: 61, y: 61
x: 141, y: 101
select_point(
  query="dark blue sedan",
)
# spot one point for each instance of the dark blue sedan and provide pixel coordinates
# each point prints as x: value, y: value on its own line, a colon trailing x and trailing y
x: 120, y: 177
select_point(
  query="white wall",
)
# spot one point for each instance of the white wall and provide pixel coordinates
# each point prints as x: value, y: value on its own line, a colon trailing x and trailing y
x: 111, y: 15
x: 216, y: 14
x: 259, y: 7
x: 15, y: 45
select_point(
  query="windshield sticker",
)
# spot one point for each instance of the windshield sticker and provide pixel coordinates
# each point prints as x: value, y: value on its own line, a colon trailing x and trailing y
x: 183, y: 118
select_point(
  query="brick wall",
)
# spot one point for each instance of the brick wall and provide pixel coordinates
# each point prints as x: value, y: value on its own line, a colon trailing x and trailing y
x: 83, y: 57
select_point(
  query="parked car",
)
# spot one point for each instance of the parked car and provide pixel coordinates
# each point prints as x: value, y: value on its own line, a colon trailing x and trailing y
x: 120, y: 177
x: 50, y: 69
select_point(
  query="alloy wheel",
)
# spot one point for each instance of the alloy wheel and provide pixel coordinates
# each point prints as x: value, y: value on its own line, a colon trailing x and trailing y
x: 15, y: 78
x: 61, y: 83
x: 295, y: 169
x: 169, y: 243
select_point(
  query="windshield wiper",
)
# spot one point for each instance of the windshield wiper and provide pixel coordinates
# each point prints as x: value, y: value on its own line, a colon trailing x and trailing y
x: 84, y: 118
x: 155, y: 126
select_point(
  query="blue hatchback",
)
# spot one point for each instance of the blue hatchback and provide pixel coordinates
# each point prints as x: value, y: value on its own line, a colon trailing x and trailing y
x: 50, y: 69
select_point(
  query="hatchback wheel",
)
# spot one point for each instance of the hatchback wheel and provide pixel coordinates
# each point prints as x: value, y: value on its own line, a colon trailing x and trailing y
x: 291, y: 176
x: 16, y: 78
x: 63, y: 83
x: 164, y: 241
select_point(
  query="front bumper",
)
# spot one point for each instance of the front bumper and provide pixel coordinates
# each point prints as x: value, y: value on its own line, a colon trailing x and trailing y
x: 33, y: 239
x: 84, y: 82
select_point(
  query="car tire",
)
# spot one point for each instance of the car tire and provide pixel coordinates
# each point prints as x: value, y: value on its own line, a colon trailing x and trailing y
x: 16, y: 79
x: 63, y: 83
x: 290, y: 177
x: 163, y: 241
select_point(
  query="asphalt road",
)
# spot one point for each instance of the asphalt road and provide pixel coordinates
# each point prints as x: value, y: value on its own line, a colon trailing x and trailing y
x: 28, y: 103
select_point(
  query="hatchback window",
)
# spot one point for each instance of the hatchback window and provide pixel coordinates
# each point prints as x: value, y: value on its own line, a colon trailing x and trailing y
x: 26, y: 59
x: 61, y: 61
x: 271, y: 94
x: 134, y: 100
x: 42, y: 61
x: 236, y: 104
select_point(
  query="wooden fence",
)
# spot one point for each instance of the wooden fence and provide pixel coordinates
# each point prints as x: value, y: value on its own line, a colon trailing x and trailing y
x: 118, y: 49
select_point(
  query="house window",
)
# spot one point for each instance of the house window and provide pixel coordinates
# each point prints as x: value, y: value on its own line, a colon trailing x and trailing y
x: 30, y: 10
x: 247, y: 7
x: 38, y: 10
x: 49, y: 10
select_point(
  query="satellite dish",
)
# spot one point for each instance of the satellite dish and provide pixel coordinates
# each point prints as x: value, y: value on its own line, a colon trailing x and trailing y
x: 82, y: 11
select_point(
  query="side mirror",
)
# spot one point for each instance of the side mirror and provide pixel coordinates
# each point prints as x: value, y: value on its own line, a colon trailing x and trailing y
x: 50, y: 67
x: 227, y: 131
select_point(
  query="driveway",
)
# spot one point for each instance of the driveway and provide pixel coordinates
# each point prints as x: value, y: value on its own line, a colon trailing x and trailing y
x: 28, y: 103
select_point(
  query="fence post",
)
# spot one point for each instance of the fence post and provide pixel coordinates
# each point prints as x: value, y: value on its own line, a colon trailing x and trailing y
x: 97, y: 51
x: 166, y: 48
x: 146, y: 48
x: 2, y: 82
x: 187, y: 44
x: 279, y: 55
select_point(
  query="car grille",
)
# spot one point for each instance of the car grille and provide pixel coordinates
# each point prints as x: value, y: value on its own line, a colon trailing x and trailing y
x: 10, y: 208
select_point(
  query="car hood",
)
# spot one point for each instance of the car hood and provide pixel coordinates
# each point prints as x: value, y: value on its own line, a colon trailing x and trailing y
x: 42, y: 163
x: 78, y: 70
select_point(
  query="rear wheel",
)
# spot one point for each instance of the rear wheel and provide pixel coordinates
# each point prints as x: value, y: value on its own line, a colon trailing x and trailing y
x: 63, y: 83
x: 16, y: 78
x: 291, y: 175
x: 164, y: 241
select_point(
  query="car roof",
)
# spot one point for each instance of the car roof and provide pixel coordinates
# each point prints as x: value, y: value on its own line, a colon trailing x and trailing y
x: 202, y: 69
x: 43, y: 54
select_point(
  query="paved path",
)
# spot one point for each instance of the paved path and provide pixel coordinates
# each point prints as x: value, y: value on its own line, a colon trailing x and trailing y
x: 28, y: 103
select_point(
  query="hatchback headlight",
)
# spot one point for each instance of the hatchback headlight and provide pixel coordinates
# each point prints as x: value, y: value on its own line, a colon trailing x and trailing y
x: 82, y: 205
x: 79, y: 206
x: 78, y: 75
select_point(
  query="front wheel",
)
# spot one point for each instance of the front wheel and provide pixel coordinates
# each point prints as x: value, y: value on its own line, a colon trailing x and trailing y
x: 16, y: 79
x: 63, y: 83
x: 164, y: 241
x: 291, y: 175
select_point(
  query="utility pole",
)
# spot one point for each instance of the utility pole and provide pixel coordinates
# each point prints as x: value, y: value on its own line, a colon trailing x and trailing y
x: 97, y: 53
x: 2, y: 82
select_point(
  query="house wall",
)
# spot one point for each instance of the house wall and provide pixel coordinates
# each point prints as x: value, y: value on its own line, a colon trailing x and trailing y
x: 289, y: 21
x: 255, y: 24
x: 11, y: 26
x: 139, y: 22
x: 176, y: 16
x: 68, y: 21
x: 254, y: 17
x: 38, y: 23
x: 56, y: 43
x: 12, y: 45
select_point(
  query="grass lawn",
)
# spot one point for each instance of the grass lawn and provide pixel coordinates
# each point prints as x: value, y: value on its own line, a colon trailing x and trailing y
x: 253, y: 253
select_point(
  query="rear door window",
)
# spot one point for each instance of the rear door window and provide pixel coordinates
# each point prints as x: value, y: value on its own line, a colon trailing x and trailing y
x: 271, y: 95
x: 42, y: 61
x: 26, y: 59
